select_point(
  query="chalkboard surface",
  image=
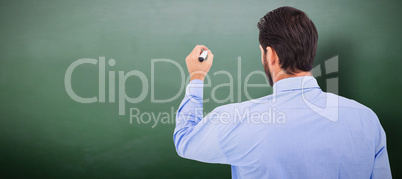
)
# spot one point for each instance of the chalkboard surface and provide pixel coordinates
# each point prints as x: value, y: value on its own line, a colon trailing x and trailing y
x: 89, y: 89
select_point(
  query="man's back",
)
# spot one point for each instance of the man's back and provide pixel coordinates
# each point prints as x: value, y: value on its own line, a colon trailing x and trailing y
x: 298, y: 132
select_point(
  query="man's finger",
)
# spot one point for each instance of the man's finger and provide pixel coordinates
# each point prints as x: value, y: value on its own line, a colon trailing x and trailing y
x: 198, y: 49
x: 210, y: 58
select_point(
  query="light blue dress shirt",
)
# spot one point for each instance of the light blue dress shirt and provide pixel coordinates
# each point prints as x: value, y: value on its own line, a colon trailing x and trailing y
x: 297, y: 132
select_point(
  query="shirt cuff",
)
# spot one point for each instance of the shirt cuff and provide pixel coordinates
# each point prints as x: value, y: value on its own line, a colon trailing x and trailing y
x: 195, y: 88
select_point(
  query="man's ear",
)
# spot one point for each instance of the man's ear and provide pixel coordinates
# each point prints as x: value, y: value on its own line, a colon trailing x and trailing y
x: 271, y: 56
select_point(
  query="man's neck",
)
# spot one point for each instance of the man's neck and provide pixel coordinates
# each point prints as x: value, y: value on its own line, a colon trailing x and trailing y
x: 282, y: 75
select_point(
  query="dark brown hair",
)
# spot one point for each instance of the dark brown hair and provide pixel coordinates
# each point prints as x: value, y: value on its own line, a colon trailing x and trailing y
x: 292, y: 35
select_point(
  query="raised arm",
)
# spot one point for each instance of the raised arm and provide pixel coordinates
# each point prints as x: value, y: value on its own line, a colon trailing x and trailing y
x: 196, y: 137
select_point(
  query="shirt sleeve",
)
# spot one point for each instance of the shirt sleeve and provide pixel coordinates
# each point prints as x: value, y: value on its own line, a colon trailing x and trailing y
x: 196, y: 137
x: 381, y: 168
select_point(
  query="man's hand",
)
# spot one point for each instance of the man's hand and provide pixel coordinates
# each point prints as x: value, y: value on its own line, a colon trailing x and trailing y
x: 198, y: 69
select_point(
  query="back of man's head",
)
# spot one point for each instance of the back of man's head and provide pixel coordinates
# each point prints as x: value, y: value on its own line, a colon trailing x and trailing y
x: 292, y: 35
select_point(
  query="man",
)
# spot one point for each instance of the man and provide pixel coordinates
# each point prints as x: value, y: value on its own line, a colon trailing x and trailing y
x: 319, y: 134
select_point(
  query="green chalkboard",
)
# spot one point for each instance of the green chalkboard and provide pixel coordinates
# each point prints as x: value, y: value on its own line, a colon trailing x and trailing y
x: 83, y: 82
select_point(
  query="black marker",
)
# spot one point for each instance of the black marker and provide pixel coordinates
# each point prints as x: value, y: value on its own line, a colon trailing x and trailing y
x: 203, y: 56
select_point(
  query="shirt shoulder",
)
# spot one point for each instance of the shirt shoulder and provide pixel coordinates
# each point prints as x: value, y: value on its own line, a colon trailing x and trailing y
x: 364, y: 112
x: 350, y: 103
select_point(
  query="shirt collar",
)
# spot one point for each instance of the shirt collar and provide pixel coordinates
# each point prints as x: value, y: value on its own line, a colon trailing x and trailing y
x: 295, y: 83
